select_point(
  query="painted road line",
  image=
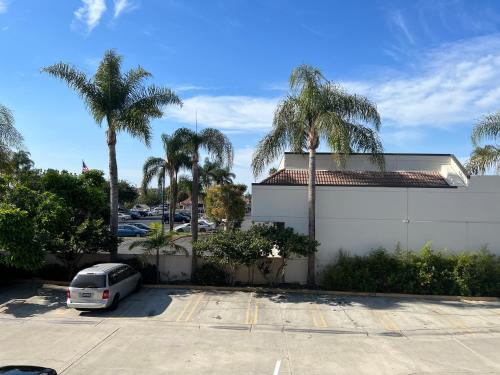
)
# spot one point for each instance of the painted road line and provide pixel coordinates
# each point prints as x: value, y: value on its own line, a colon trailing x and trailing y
x: 249, y: 305
x: 321, y: 320
x: 256, y: 313
x: 193, y: 309
x: 386, y: 321
x: 277, y: 367
x: 184, y: 310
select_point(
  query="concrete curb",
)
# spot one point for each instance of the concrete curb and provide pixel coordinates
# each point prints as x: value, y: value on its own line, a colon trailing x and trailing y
x: 257, y: 289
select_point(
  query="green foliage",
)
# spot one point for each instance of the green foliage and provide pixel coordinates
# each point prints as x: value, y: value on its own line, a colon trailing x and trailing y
x: 60, y: 213
x: 232, y: 249
x: 225, y: 203
x: 152, y: 197
x: 127, y: 193
x: 210, y: 274
x: 423, y: 272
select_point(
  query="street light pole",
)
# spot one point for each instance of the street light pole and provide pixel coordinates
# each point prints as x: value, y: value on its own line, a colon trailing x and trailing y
x: 163, y: 204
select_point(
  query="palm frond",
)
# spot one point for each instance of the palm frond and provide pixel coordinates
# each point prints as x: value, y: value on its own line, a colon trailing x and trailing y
x: 9, y: 136
x: 483, y: 159
x: 218, y: 145
x: 487, y: 128
x: 150, y: 169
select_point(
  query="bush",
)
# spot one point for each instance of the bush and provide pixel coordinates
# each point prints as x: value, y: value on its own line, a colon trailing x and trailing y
x: 423, y: 272
x: 210, y: 274
x: 148, y: 271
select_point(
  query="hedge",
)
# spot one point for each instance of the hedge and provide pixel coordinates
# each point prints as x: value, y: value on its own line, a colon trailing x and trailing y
x: 423, y: 272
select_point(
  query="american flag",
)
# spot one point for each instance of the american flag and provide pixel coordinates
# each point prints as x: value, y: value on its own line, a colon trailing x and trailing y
x: 84, y: 167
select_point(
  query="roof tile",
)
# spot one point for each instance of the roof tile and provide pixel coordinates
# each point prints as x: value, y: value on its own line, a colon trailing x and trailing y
x: 425, y: 179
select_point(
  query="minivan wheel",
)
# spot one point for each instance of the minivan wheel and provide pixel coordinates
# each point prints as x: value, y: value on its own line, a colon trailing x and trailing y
x: 138, y: 286
x: 115, y: 303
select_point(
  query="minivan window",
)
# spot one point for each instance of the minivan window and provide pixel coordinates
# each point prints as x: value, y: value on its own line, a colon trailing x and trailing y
x: 89, y: 281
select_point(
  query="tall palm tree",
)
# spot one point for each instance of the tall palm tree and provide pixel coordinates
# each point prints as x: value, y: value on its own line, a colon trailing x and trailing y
x: 314, y: 110
x: 123, y: 101
x: 175, y: 159
x: 9, y: 137
x: 485, y: 157
x: 156, y: 241
x: 219, y: 148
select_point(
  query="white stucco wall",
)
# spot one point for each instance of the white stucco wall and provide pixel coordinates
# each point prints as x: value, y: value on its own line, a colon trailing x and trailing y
x: 358, y: 219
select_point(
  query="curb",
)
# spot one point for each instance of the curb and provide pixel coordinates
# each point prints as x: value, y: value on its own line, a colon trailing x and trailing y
x: 257, y: 289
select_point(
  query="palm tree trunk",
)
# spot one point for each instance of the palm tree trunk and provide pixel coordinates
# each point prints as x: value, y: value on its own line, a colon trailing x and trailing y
x: 194, y: 211
x: 163, y: 202
x: 113, y: 190
x: 311, y: 202
x: 171, y: 208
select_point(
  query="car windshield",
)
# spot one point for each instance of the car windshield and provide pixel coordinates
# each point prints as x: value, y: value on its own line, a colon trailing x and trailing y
x: 89, y: 281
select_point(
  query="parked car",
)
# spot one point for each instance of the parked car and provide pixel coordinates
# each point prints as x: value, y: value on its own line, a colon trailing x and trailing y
x: 207, y: 224
x: 123, y: 217
x: 186, y: 215
x: 178, y: 218
x: 187, y: 228
x: 26, y: 370
x: 142, y: 226
x: 135, y: 214
x: 129, y: 230
x: 102, y: 286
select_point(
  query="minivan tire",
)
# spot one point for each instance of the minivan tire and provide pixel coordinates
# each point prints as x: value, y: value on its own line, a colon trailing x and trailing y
x: 115, y: 303
x: 138, y: 286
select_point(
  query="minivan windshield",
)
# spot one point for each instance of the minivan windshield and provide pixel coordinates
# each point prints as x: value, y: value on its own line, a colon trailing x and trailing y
x: 89, y: 281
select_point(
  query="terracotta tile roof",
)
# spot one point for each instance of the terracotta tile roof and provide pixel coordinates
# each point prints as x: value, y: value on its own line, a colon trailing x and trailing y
x: 424, y: 179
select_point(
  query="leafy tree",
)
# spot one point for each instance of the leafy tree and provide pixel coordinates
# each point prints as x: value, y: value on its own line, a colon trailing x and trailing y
x: 225, y: 204
x: 123, y: 101
x: 156, y: 241
x: 287, y: 242
x: 317, y: 109
x: 175, y: 159
x: 127, y: 193
x: 272, y: 171
x: 219, y: 147
x: 233, y: 249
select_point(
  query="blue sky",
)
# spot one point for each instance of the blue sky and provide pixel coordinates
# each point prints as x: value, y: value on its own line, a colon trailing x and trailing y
x: 432, y: 67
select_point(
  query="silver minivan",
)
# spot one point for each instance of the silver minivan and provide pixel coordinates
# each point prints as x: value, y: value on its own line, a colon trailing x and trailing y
x: 102, y: 286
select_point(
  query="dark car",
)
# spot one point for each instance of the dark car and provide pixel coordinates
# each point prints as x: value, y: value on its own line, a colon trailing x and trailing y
x: 178, y: 218
x: 134, y: 214
x: 26, y: 370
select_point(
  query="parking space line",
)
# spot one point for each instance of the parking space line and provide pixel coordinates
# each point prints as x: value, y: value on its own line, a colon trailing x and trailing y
x: 318, y: 317
x: 184, y: 310
x: 193, y: 309
x: 386, y: 321
x: 248, y: 317
x: 256, y: 313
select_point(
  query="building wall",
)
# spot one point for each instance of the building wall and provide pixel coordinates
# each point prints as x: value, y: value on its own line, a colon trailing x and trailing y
x: 358, y: 219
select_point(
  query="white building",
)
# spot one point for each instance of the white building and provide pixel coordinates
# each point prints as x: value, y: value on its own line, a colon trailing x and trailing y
x: 418, y: 198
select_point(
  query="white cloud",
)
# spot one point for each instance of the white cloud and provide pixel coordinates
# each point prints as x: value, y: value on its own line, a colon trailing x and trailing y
x: 122, y: 6
x: 453, y: 84
x: 5, y: 28
x: 188, y: 87
x: 230, y: 113
x: 3, y: 6
x: 399, y: 21
x: 90, y: 13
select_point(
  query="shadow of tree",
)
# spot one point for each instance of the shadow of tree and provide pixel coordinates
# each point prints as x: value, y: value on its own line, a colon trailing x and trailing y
x: 36, y: 301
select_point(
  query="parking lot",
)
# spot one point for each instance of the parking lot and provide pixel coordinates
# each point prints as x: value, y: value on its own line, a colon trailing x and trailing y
x: 177, y: 331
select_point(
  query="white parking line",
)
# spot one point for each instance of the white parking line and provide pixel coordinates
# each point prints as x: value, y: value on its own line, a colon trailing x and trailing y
x: 277, y: 367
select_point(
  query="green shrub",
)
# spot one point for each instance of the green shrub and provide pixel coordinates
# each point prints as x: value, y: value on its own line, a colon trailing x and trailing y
x: 424, y: 272
x: 210, y: 274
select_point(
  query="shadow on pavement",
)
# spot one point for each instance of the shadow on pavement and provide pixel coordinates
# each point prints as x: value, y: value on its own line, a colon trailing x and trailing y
x: 34, y: 300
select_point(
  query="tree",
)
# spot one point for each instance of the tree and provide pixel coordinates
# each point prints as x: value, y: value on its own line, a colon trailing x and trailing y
x: 126, y: 192
x: 272, y: 171
x: 10, y: 138
x: 225, y: 204
x: 156, y: 241
x: 317, y: 109
x: 175, y: 158
x: 219, y: 148
x: 214, y: 173
x: 485, y: 157
x: 123, y: 101
x: 232, y: 249
x: 287, y: 242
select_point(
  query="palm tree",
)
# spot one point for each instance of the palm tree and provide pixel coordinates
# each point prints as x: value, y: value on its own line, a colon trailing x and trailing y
x: 156, y: 241
x: 213, y: 172
x: 123, y: 101
x: 9, y: 137
x: 317, y: 109
x: 485, y: 157
x: 219, y: 148
x: 174, y: 160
